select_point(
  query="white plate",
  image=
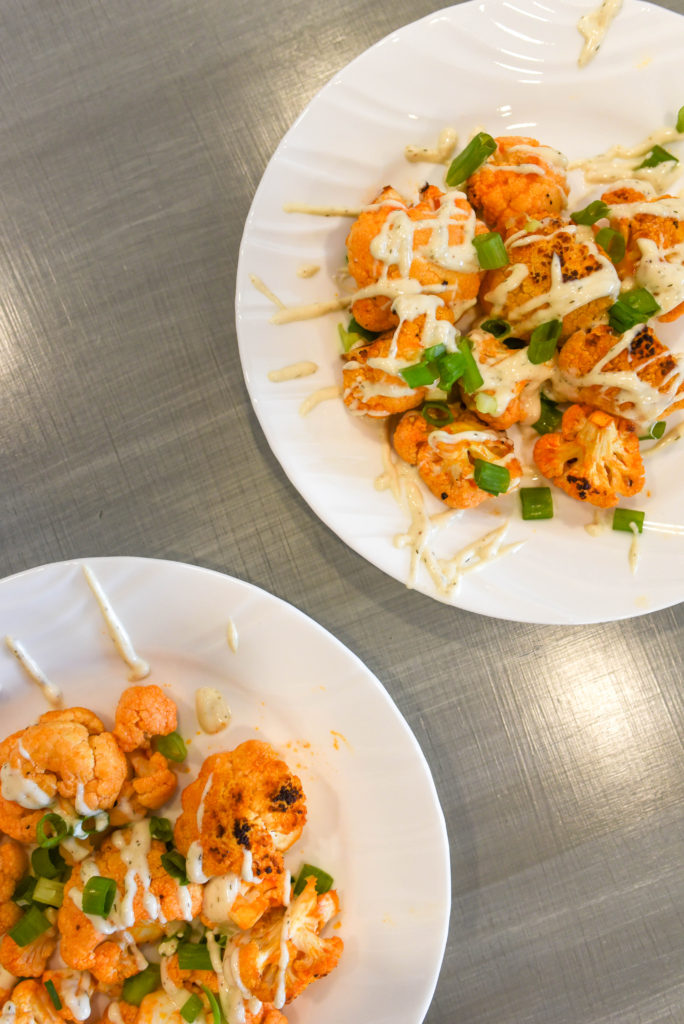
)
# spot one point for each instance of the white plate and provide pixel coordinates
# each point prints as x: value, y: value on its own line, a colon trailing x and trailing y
x: 374, y: 819
x: 508, y: 68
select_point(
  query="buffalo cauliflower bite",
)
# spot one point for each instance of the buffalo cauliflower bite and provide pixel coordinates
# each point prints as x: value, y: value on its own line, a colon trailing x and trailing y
x: 429, y: 242
x: 245, y: 808
x: 631, y: 375
x: 445, y: 456
x: 152, y: 783
x: 309, y: 955
x: 74, y: 990
x: 520, y: 180
x: 653, y: 230
x: 143, y: 712
x: 594, y: 457
x: 555, y: 272
x: 30, y: 1004
x: 27, y: 961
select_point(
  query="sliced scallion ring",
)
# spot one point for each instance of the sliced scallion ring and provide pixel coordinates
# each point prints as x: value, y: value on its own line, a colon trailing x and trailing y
x: 194, y: 956
x: 162, y: 829
x: 47, y: 862
x: 657, y: 155
x: 172, y: 746
x: 498, y: 327
x: 491, y: 477
x: 543, y: 341
x: 140, y: 985
x: 655, y: 432
x: 191, y: 1008
x: 52, y: 992
x: 420, y: 375
x: 550, y: 416
x: 437, y: 414
x: 51, y: 829
x: 216, y: 1011
x: 680, y: 121
x: 591, y: 213
x: 32, y: 924
x: 451, y: 366
x: 49, y: 892
x: 536, y: 502
x: 173, y: 863
x: 468, y: 160
x: 472, y: 378
x: 633, y: 307
x: 486, y: 403
x: 98, y: 896
x: 623, y: 518
x: 491, y: 251
x: 613, y: 244
x: 324, y: 881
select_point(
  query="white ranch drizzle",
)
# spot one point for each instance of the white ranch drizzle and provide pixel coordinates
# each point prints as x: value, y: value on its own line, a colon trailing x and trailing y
x: 9, y: 1013
x: 593, y: 26
x: 634, y: 548
x: 229, y: 993
x: 218, y: 897
x: 661, y: 272
x: 178, y: 996
x: 322, y: 395
x: 672, y: 435
x: 138, y: 666
x: 290, y: 314
x: 304, y: 368
x: 307, y: 270
x: 598, y: 525
x: 114, y: 1013
x: 439, y: 154
x: 51, y: 692
x: 75, y: 990
x: 321, y: 211
x: 283, y: 961
x: 7, y: 979
x: 266, y: 291
x: 232, y: 636
x: 621, y: 162
x: 16, y: 787
x: 213, y: 713
x: 193, y: 862
x: 501, y: 377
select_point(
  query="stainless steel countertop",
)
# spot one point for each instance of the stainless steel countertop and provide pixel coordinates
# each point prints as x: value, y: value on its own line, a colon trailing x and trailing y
x: 132, y: 138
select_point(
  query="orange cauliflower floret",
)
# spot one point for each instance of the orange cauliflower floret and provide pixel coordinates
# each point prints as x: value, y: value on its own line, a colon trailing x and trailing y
x: 445, y: 456
x: 152, y: 784
x: 143, y: 712
x: 310, y: 956
x: 594, y: 457
x: 32, y: 1005
x: 25, y: 961
x: 13, y: 867
x: 84, y: 948
x: 251, y: 805
x: 393, y: 239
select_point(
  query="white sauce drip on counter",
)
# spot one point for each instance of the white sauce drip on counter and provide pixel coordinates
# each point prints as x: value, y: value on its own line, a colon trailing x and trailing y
x: 304, y: 368
x: 593, y: 26
x: 213, y: 713
x: 51, y: 692
x: 138, y: 666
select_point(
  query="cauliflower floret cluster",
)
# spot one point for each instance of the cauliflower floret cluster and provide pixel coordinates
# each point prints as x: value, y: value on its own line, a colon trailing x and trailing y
x: 99, y: 897
x: 474, y: 302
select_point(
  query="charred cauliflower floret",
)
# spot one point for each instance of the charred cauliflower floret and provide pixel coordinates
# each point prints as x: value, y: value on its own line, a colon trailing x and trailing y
x: 445, y: 456
x: 244, y: 807
x: 555, y: 272
x: 520, y: 180
x: 429, y: 242
x: 594, y: 457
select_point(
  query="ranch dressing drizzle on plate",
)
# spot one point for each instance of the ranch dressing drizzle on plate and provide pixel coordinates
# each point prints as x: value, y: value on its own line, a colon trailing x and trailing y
x: 213, y: 713
x: 593, y: 26
x: 440, y: 154
x: 322, y: 395
x: 232, y: 636
x: 51, y: 692
x: 320, y: 211
x: 634, y: 548
x: 621, y: 162
x: 304, y: 368
x: 138, y: 666
x: 672, y: 435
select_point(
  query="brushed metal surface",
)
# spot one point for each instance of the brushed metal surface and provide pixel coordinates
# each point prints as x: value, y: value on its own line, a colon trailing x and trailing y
x: 132, y: 137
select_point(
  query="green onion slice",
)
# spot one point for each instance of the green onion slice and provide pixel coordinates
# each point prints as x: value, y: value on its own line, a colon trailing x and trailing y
x: 194, y: 956
x: 172, y: 746
x: 98, y: 896
x: 624, y: 517
x: 485, y: 403
x: 93, y: 824
x: 52, y: 992
x: 536, y: 502
x: 29, y: 927
x: 433, y: 352
x: 613, y: 244
x: 513, y: 343
x: 437, y: 414
x: 174, y: 865
x: 419, y: 375
x: 472, y: 378
x: 655, y: 432
x: 216, y: 1011
x: 490, y: 477
x: 680, y: 121
x: 191, y: 1008
x: 633, y: 307
x: 451, y: 367
x: 324, y: 881
x: 48, y: 862
x: 468, y: 160
x: 491, y: 251
x: 591, y: 213
x: 50, y: 830
x: 49, y: 892
x: 162, y: 829
x: 23, y: 893
x: 658, y: 155
x: 498, y: 328
x: 543, y: 341
x: 140, y: 985
x: 354, y: 327
x: 550, y: 416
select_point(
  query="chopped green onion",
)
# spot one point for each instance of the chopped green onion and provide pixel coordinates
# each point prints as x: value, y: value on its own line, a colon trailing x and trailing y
x: 49, y: 892
x: 490, y: 477
x: 537, y: 503
x: 624, y: 517
x: 171, y: 746
x: 591, y: 213
x: 468, y: 160
x: 354, y: 327
x: 658, y: 155
x: 437, y: 414
x: 23, y: 893
x: 98, y: 896
x: 613, y: 244
x: 216, y: 1011
x: 140, y: 985
x: 543, y: 341
x: 52, y: 992
x: 633, y: 307
x: 451, y: 366
x: 419, y: 375
x: 655, y: 432
x: 485, y: 403
x: 472, y: 378
x: 531, y: 224
x: 191, y: 1008
x: 50, y: 830
x: 48, y: 862
x: 433, y: 352
x: 194, y: 956
x: 680, y: 121
x: 513, y: 343
x: 324, y: 881
x: 550, y: 416
x: 174, y: 865
x: 491, y: 251
x: 497, y: 328
x: 347, y: 339
x: 29, y: 927
x: 162, y: 829
x: 92, y: 824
